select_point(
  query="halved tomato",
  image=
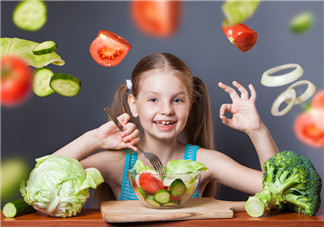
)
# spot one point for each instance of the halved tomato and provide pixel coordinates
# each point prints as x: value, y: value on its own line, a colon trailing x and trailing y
x: 16, y: 80
x: 318, y: 100
x: 109, y: 49
x: 157, y: 18
x: 150, y: 183
x: 309, y: 127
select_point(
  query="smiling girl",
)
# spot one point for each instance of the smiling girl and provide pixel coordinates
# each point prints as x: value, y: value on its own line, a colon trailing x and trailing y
x: 171, y: 108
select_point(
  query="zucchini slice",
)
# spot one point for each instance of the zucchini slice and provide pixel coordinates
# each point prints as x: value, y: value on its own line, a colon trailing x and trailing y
x: 65, y: 84
x: 41, y: 82
x: 45, y: 48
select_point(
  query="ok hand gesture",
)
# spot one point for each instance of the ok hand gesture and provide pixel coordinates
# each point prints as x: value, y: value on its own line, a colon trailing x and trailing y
x: 245, y: 115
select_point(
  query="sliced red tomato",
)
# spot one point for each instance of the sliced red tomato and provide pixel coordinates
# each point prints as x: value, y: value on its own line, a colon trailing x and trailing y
x: 242, y: 36
x: 109, y: 49
x: 318, y: 100
x: 150, y: 183
x: 16, y: 80
x: 157, y: 18
x: 309, y: 127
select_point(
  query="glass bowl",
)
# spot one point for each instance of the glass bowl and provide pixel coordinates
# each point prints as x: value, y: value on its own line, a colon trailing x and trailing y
x: 162, y: 191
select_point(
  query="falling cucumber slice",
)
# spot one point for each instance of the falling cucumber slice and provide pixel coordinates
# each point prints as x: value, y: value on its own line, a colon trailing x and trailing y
x: 45, y: 48
x: 301, y: 22
x: 41, y: 82
x: 65, y: 84
x: 30, y: 15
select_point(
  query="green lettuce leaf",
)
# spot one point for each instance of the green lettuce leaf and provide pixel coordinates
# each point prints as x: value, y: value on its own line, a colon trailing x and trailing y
x: 139, y: 166
x: 58, y: 186
x: 238, y: 11
x: 23, y: 48
x: 184, y: 166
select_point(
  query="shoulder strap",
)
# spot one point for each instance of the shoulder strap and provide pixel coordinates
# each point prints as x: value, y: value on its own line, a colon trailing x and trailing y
x: 190, y: 152
x: 126, y: 192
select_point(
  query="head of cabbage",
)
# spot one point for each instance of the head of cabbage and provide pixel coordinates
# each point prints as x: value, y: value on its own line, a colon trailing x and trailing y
x: 59, y: 186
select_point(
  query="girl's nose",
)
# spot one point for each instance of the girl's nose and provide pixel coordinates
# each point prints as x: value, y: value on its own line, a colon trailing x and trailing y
x: 166, y: 109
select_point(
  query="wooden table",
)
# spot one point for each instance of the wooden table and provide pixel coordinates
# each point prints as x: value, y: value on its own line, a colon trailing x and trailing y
x: 93, y: 217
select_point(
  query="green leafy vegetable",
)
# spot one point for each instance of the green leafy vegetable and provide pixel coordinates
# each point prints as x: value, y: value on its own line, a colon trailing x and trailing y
x: 238, y: 11
x: 59, y: 186
x: 290, y: 182
x: 24, y: 49
x: 139, y: 166
x: 184, y: 166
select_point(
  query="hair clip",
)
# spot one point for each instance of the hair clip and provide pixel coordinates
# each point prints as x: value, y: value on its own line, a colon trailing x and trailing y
x: 129, y: 86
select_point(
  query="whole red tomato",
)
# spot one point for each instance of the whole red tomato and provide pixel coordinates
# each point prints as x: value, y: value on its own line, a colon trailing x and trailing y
x: 156, y: 18
x: 242, y: 36
x: 16, y: 80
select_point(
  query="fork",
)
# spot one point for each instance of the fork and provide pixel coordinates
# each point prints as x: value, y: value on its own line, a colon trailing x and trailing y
x: 153, y: 158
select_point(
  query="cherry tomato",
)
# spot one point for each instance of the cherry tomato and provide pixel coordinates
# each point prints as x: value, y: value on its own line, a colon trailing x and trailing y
x: 318, y: 100
x: 156, y: 18
x: 109, y: 49
x: 309, y: 127
x: 16, y: 80
x: 150, y: 183
x: 242, y: 36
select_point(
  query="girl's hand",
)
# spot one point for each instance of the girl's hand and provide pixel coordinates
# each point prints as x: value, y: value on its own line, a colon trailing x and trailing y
x: 245, y: 115
x: 111, y: 138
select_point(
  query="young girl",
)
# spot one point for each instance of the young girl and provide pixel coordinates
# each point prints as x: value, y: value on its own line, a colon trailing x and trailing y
x: 171, y: 107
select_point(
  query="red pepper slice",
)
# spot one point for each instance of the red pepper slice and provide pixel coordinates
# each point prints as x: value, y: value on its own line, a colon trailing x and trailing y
x: 242, y: 36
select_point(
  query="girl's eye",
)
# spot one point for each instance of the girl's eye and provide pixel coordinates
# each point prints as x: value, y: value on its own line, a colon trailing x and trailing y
x: 177, y: 100
x: 152, y: 100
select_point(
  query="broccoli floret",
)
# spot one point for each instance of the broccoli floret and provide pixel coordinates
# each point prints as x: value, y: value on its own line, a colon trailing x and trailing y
x: 290, y: 182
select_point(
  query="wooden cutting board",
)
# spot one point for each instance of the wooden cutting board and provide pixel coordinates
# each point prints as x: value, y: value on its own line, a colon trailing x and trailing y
x: 197, y: 208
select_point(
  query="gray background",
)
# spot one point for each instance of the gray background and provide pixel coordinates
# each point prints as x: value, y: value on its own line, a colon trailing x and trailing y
x: 40, y: 126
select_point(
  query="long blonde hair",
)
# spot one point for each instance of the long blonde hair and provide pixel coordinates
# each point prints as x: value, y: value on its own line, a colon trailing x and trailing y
x: 199, y: 127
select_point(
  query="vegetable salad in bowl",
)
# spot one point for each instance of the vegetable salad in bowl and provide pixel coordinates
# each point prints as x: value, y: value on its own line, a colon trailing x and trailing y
x: 169, y: 190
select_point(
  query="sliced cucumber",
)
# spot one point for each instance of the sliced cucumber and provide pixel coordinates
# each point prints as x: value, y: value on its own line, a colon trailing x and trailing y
x: 41, y: 82
x: 302, y: 22
x: 162, y: 196
x: 65, y: 84
x: 30, y: 15
x: 151, y: 201
x: 17, y: 207
x: 140, y: 193
x: 171, y: 203
x: 177, y: 188
x: 45, y: 48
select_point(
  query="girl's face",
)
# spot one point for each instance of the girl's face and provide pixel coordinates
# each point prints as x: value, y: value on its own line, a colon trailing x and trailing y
x: 162, y: 104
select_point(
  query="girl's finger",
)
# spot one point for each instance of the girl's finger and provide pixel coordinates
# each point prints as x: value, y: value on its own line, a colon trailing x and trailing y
x: 123, y: 119
x: 135, y: 134
x: 244, y: 93
x: 225, y: 107
x: 253, y: 93
x: 229, y: 90
x: 224, y: 119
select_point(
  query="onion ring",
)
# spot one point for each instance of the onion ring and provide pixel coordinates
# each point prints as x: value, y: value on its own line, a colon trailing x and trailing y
x: 289, y: 94
x: 274, y: 81
x: 311, y: 88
